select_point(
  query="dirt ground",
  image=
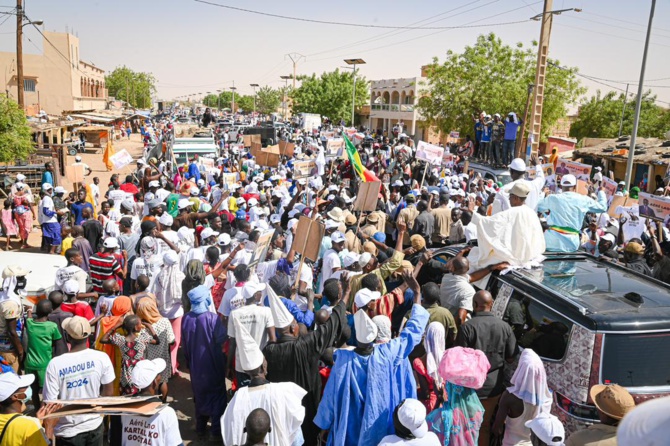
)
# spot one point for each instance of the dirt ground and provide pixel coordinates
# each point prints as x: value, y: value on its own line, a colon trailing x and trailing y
x: 180, y: 395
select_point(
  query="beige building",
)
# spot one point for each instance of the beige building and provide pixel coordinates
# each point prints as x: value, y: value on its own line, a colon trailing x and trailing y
x: 393, y: 101
x: 57, y: 79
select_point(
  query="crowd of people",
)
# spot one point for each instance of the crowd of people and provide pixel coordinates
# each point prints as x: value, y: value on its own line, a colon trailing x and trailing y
x: 372, y: 342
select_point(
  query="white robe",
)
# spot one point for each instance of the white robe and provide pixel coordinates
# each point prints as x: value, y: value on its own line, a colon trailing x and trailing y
x: 282, y: 402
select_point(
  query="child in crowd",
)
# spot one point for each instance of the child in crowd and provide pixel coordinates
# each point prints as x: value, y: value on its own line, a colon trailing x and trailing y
x: 133, y: 346
x: 57, y: 316
x: 66, y: 233
x: 9, y: 227
x: 42, y: 338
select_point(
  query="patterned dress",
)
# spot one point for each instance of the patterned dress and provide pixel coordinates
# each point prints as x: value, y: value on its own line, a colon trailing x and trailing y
x: 163, y: 329
x: 131, y: 353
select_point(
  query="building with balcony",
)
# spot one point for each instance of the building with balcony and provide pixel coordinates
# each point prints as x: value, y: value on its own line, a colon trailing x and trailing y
x: 393, y: 101
x: 57, y: 79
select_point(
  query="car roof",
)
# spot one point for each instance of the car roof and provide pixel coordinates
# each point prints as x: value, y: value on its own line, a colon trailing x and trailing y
x: 495, y: 170
x: 597, y: 294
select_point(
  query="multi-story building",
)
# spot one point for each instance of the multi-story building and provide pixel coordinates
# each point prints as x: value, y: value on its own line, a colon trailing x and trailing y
x: 394, y: 101
x: 57, y: 79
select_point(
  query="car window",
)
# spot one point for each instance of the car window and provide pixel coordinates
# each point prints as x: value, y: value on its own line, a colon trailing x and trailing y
x: 489, y: 176
x: 538, y: 327
x: 636, y: 360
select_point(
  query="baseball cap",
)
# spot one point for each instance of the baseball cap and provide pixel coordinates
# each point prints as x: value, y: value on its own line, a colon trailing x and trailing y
x: 520, y: 189
x: 207, y: 233
x: 223, y: 239
x: 77, y: 327
x: 568, y: 180
x: 293, y: 212
x: 146, y: 371
x: 154, y: 183
x: 364, y: 259
x: 77, y: 158
x: 128, y: 204
x: 337, y: 237
x: 127, y: 222
x: 547, y: 428
x: 194, y: 191
x: 518, y: 164
x: 364, y: 296
x: 350, y: 258
x: 183, y: 203
x: 11, y: 382
x: 251, y: 288
x: 110, y: 242
x: 47, y: 186
x: 609, y: 237
x: 240, y: 201
x: 397, y: 183
x: 70, y: 287
x: 332, y: 224
x: 20, y: 177
x: 166, y: 220
x: 252, y: 202
x: 412, y: 415
x: 59, y: 190
x: 240, y: 215
x: 275, y: 218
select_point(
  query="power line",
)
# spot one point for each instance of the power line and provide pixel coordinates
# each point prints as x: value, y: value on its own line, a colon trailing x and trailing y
x: 356, y: 25
x: 625, y: 21
x: 607, y: 34
x: 619, y: 27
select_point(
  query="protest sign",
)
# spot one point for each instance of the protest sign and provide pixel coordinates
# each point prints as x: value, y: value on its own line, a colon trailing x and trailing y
x: 429, y: 153
x: 121, y: 159
x: 368, y: 194
x: 448, y: 159
x: 286, y: 148
x: 346, y: 182
x: 654, y: 206
x: 620, y: 201
x: 246, y: 140
x: 610, y: 186
x: 327, y: 135
x: 303, y: 169
x: 260, y: 252
x: 582, y: 187
x: 255, y: 149
x: 579, y: 170
x: 228, y: 180
x: 256, y: 139
x: 334, y: 147
x: 268, y: 158
x: 547, y: 170
x: 75, y: 173
x: 308, y: 235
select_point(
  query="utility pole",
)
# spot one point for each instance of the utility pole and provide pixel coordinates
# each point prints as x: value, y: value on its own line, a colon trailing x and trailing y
x: 623, y: 110
x: 295, y: 58
x: 519, y: 142
x: 254, y: 87
x: 638, y: 104
x: 547, y: 17
x: 232, y: 106
x: 19, y: 54
x: 284, y: 104
x: 353, y: 62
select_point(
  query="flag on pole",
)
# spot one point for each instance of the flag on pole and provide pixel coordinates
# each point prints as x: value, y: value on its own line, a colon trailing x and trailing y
x: 355, y: 159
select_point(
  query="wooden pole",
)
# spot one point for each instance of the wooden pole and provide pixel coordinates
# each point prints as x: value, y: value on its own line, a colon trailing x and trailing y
x: 424, y: 175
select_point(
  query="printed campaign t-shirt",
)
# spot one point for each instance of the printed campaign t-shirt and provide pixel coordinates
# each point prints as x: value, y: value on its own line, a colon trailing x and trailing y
x: 26, y: 431
x: 71, y: 272
x: 73, y: 376
x: 161, y: 429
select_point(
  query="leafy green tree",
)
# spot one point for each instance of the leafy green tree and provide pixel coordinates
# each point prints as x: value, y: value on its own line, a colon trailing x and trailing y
x: 493, y: 77
x: 211, y: 100
x: 268, y: 100
x: 15, y: 140
x: 600, y: 117
x: 330, y: 94
x: 134, y: 87
x: 245, y: 103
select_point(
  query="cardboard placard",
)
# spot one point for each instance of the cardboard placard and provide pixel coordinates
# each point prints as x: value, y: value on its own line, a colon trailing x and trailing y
x: 308, y: 235
x: 121, y: 159
x: 286, y: 148
x: 262, y: 245
x: 430, y: 153
x: 448, y: 159
x: 582, y: 187
x: 368, y: 194
x: 579, y: 170
x: 334, y: 147
x: 620, y: 201
x: 256, y: 139
x: 75, y: 173
x: 118, y: 405
x: 228, y: 179
x: 246, y: 139
x: 268, y: 159
x: 255, y: 149
x: 654, y: 206
x: 303, y: 169
x: 610, y: 186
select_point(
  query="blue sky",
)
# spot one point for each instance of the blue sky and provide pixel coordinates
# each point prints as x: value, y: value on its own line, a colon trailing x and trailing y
x: 191, y: 47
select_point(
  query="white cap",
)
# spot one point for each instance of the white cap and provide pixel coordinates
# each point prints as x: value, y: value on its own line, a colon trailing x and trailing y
x: 275, y: 218
x: 292, y: 213
x: 70, y: 287
x: 292, y: 223
x: 154, y: 183
x: 77, y: 158
x: 141, y: 161
x: 19, y: 186
x: 364, y: 259
x: 110, y: 242
x: 302, y: 181
x: 200, y: 182
x: 59, y: 190
x: 184, y: 203
x: 223, y: 240
x: 365, y: 296
x: 195, y: 191
x: 332, y: 224
x: 248, y: 350
x: 412, y: 415
x: 240, y: 201
x: 568, y: 180
x: 366, y: 330
x: 350, y: 258
x: 252, y: 202
x: 251, y: 288
x: 146, y: 371
x: 518, y: 164
x: 598, y: 168
x: 47, y: 186
x: 166, y: 219
x: 11, y: 382
x: 397, y: 183
x: 548, y: 428
x: 207, y: 233
x: 337, y: 237
x: 282, y: 317
x: 20, y: 177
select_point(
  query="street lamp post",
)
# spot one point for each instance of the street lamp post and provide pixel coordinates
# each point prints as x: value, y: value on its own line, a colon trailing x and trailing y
x: 19, y: 51
x: 285, y: 106
x: 353, y: 62
x: 232, y: 105
x: 254, y: 87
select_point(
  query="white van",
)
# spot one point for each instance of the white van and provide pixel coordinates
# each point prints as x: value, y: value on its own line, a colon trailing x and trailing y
x: 184, y: 152
x: 42, y: 267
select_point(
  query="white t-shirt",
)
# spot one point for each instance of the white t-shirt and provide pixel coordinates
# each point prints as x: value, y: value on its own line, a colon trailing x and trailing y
x: 48, y: 204
x: 161, y: 429
x: 256, y: 320
x: 430, y: 439
x: 71, y: 272
x: 330, y: 260
x: 73, y: 376
x: 117, y: 196
x: 231, y: 300
x: 162, y: 194
x: 149, y: 268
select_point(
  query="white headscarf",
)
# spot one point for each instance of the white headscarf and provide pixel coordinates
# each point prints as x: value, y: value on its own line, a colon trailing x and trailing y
x: 434, y: 344
x: 7, y: 292
x: 168, y: 283
x: 384, y: 328
x: 529, y: 382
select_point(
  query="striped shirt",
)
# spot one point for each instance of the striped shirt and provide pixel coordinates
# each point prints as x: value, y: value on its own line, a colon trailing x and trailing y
x: 103, y: 266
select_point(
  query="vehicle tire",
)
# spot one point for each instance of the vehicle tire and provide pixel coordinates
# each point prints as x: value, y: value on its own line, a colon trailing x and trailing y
x: 72, y: 151
x: 665, y: 143
x: 623, y: 138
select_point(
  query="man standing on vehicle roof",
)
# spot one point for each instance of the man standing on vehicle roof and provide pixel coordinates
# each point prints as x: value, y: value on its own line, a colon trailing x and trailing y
x: 568, y: 210
x: 517, y: 170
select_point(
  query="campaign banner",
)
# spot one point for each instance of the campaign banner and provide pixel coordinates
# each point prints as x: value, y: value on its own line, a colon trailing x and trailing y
x: 610, y: 186
x: 430, y: 153
x: 653, y: 206
x: 448, y: 159
x: 121, y: 159
x: 579, y: 170
x: 228, y: 179
x: 303, y: 169
x: 334, y: 147
x: 547, y: 170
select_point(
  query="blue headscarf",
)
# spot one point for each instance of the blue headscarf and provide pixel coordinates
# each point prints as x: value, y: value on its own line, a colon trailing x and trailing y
x: 200, y: 298
x: 459, y: 418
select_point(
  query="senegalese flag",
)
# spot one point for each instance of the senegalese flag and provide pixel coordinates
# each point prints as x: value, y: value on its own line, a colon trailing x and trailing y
x: 361, y: 170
